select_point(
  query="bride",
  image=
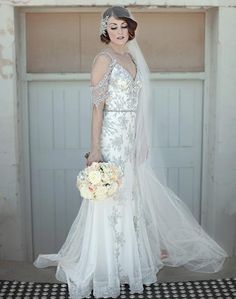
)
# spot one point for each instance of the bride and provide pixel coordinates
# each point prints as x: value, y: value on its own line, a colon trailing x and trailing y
x: 127, y: 239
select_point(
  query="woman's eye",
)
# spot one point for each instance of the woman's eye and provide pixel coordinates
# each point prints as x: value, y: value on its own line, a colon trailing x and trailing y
x: 114, y: 28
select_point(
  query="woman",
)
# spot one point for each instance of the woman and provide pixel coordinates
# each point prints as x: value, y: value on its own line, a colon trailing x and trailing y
x: 127, y: 239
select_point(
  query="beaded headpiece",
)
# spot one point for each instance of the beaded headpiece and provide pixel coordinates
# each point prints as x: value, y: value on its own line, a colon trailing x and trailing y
x: 118, y: 12
x: 103, y: 25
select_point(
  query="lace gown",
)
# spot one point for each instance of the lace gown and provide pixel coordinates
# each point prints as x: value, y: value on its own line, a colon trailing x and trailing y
x: 117, y: 241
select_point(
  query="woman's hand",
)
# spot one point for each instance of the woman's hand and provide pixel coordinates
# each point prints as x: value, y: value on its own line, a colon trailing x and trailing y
x: 94, y: 156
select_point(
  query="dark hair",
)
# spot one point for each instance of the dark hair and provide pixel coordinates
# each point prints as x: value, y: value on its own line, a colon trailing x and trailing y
x: 119, y: 13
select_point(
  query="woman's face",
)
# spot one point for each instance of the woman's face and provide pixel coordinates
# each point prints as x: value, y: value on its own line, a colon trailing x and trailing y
x: 117, y: 31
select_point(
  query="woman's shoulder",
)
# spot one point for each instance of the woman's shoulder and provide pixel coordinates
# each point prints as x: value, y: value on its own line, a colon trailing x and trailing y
x: 104, y: 56
x: 102, y: 66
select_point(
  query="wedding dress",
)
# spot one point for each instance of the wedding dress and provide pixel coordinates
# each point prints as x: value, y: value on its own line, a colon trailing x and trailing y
x: 120, y: 240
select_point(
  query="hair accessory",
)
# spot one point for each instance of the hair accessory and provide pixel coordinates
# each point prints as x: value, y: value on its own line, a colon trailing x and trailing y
x: 103, y: 25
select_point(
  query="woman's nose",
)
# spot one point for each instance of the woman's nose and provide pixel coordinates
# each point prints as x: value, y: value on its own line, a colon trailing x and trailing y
x: 119, y: 29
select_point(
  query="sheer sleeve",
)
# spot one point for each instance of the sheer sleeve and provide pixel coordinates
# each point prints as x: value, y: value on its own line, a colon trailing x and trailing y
x: 99, y: 91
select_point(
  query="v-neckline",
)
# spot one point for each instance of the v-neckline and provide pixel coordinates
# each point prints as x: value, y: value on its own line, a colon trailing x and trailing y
x: 136, y: 73
x: 117, y: 62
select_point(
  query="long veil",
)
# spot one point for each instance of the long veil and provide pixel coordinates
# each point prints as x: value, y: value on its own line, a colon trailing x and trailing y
x: 170, y: 224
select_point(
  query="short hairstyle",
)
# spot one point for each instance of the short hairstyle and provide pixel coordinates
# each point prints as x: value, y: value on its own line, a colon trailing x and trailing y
x: 119, y: 13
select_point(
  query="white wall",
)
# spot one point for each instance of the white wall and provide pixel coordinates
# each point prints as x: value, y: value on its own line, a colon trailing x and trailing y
x: 191, y: 3
x: 11, y: 234
x: 220, y: 156
x: 221, y: 176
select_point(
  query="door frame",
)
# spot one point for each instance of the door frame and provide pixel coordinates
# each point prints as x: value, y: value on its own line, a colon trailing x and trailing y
x: 22, y: 95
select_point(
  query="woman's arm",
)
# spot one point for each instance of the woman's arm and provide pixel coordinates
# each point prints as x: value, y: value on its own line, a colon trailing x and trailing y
x: 98, y: 84
x: 97, y: 120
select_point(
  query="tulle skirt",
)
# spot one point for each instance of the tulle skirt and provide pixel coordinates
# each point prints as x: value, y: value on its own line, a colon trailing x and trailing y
x: 121, y: 240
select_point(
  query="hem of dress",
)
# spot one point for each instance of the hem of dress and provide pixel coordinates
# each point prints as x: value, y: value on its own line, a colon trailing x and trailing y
x: 106, y: 290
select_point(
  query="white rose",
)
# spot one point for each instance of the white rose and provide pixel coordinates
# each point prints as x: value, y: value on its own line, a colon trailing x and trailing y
x: 94, y: 177
x: 94, y: 166
x: 85, y: 192
x: 101, y: 193
x: 106, y: 178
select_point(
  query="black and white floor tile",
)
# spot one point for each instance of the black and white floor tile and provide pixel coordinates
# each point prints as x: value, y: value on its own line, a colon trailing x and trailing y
x: 208, y: 289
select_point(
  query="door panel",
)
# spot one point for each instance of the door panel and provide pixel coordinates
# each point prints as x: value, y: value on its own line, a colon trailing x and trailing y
x: 59, y: 137
x: 60, y: 120
x: 177, y: 137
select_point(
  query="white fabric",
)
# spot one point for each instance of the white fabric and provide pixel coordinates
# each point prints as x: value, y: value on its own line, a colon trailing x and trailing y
x: 120, y: 240
x: 143, y: 120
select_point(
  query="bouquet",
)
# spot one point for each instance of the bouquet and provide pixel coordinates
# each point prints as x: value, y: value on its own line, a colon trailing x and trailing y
x: 99, y: 181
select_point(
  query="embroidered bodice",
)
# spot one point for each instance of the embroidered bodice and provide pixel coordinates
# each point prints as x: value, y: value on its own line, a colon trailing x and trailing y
x: 118, y: 88
x: 119, y: 91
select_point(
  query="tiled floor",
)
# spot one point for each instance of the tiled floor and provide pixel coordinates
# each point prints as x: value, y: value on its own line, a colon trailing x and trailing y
x: 25, y: 271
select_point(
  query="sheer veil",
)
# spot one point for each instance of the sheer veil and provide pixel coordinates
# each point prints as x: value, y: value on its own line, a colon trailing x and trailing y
x: 172, y: 224
x: 144, y: 113
x: 143, y: 118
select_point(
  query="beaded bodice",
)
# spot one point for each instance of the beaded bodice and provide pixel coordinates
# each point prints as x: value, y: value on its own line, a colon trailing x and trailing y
x: 118, y: 88
x: 119, y: 91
